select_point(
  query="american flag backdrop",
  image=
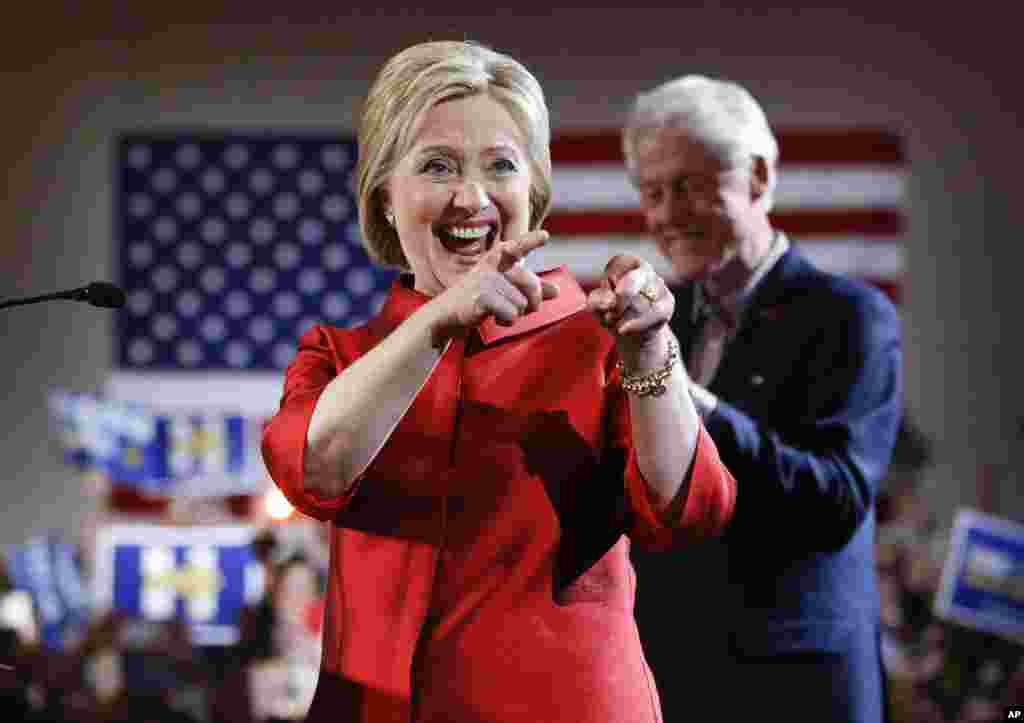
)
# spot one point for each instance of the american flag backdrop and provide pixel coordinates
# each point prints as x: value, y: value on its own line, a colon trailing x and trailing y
x: 230, y: 245
x: 840, y: 197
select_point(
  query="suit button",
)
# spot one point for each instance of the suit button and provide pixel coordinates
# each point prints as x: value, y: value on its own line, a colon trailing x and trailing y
x: 757, y: 380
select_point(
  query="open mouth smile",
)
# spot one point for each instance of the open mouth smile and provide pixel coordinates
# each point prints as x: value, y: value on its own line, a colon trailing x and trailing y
x: 467, y: 240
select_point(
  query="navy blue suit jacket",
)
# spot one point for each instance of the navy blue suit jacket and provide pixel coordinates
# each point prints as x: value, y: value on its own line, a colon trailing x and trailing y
x: 810, y: 394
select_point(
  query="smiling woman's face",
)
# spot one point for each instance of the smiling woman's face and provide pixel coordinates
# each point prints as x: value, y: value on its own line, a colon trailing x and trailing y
x: 463, y: 186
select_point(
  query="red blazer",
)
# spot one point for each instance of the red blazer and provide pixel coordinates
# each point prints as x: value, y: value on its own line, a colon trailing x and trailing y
x: 499, y: 503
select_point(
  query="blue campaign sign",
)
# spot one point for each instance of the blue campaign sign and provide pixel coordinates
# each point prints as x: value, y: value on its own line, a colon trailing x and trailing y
x: 203, y: 575
x: 47, y: 568
x: 983, y: 578
x: 204, y: 453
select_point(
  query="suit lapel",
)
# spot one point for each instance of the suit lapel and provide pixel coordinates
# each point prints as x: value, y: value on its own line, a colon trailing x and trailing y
x: 775, y: 287
x: 744, y: 365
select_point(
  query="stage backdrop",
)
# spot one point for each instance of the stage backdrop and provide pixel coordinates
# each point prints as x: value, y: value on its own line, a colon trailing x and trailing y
x: 230, y: 245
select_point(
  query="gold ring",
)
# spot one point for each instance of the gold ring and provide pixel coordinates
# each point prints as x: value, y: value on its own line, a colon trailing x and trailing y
x: 649, y: 292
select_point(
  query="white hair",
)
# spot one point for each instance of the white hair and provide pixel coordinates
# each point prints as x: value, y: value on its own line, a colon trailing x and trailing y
x: 722, y: 115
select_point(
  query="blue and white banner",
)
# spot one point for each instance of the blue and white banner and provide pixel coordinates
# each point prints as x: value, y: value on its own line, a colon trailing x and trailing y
x: 175, y: 454
x: 983, y: 578
x: 47, y: 568
x: 202, y: 575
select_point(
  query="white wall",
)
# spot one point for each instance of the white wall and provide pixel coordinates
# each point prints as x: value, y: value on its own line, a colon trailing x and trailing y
x: 939, y: 78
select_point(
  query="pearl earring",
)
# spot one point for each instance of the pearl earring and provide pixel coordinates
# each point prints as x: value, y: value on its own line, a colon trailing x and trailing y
x: 390, y: 216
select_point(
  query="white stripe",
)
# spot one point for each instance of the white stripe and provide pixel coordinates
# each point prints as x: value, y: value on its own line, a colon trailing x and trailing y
x: 606, y: 186
x: 858, y: 257
x: 251, y: 394
x: 135, y: 533
x: 882, y: 260
x: 837, y: 187
x: 586, y: 256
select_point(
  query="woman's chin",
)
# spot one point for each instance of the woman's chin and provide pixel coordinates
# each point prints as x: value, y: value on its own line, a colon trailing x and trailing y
x: 458, y: 265
x: 450, y: 269
x: 451, y: 273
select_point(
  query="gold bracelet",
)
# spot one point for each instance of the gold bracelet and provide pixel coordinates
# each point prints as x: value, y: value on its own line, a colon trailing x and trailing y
x: 651, y: 384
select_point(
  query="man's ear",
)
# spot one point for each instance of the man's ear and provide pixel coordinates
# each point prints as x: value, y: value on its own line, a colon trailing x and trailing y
x: 760, y: 179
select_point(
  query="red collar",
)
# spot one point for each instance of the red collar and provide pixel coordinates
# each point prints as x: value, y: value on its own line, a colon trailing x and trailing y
x: 403, y: 301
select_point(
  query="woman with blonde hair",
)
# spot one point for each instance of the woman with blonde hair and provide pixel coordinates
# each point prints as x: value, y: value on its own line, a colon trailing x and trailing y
x: 488, y: 445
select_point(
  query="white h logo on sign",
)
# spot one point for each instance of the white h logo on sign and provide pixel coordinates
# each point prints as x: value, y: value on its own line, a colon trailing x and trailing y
x: 199, y: 581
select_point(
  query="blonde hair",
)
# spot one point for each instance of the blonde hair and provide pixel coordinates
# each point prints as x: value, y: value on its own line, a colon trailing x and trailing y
x: 417, y: 79
x: 722, y: 114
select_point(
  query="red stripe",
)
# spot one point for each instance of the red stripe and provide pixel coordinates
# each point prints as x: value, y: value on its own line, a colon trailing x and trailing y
x: 127, y: 500
x: 797, y: 146
x: 841, y: 146
x: 874, y: 222
x: 586, y: 147
x: 870, y: 222
x: 892, y: 289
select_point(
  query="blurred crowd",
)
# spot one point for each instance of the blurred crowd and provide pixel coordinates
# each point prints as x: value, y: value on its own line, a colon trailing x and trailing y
x: 115, y: 668
x: 118, y: 668
x: 938, y: 671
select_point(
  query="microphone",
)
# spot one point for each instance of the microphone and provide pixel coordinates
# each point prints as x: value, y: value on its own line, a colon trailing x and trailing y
x: 98, y: 293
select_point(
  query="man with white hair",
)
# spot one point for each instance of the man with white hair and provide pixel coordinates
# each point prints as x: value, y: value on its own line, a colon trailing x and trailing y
x: 797, y: 373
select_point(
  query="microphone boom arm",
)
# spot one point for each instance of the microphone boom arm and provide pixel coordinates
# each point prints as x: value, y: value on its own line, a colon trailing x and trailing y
x: 98, y: 293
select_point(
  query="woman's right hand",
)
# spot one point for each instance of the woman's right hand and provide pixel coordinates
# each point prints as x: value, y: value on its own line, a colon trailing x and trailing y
x: 499, y: 285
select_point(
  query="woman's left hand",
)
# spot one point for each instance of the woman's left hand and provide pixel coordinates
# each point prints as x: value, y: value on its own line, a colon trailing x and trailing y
x: 634, y: 303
